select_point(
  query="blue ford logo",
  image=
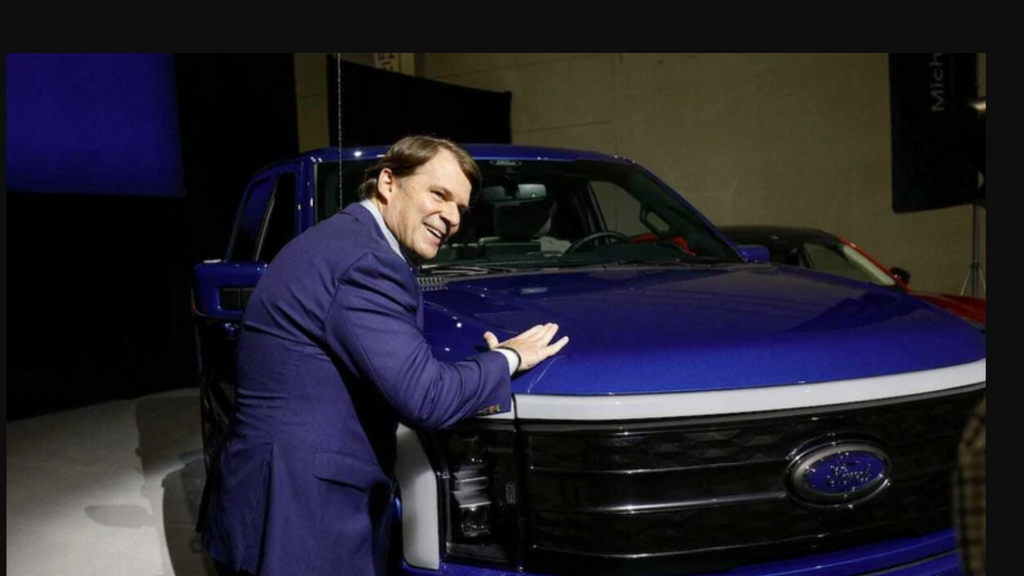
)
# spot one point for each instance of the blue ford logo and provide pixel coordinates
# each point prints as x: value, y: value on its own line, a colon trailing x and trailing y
x: 839, y: 474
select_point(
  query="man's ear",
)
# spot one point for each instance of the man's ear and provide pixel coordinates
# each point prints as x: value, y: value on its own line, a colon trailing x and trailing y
x: 386, y: 184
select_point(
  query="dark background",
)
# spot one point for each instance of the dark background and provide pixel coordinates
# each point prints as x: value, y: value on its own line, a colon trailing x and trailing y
x: 380, y: 107
x: 99, y: 291
x: 938, y: 138
x: 100, y: 282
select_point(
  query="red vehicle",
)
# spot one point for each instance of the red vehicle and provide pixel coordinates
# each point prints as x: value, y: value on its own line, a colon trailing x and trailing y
x: 826, y: 252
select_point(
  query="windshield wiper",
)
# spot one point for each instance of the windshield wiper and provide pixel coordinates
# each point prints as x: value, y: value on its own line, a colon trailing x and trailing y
x: 450, y: 269
x: 654, y: 261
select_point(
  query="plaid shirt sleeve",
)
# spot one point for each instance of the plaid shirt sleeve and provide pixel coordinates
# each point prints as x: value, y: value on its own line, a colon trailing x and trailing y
x: 969, y: 496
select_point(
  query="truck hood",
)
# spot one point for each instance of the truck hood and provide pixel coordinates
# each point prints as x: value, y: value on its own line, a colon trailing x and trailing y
x: 966, y: 306
x: 640, y: 330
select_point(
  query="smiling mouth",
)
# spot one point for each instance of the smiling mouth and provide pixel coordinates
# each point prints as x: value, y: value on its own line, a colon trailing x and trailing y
x: 436, y: 234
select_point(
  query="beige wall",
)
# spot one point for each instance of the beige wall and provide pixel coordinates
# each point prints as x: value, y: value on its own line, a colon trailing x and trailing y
x: 795, y: 139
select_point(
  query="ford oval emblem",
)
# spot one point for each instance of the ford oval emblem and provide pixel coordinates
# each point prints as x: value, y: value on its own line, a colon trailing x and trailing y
x: 839, y: 473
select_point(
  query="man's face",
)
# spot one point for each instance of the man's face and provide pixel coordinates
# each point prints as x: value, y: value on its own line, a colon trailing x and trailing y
x: 423, y: 209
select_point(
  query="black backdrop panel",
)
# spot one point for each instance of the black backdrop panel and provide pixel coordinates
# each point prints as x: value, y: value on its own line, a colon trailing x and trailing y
x: 379, y: 107
x: 934, y: 130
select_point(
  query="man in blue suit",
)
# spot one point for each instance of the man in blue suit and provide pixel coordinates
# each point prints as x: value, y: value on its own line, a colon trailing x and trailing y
x: 331, y: 357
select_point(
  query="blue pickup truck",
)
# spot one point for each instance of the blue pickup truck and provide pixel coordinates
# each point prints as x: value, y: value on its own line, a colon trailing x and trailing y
x: 714, y: 413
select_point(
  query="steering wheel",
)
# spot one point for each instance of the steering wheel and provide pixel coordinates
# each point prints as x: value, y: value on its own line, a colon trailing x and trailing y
x: 596, y: 235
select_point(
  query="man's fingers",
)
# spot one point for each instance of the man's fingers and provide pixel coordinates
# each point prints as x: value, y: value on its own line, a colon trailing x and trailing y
x: 544, y: 335
x: 554, y: 348
x: 540, y: 334
x: 534, y: 331
x: 533, y: 345
x: 491, y: 339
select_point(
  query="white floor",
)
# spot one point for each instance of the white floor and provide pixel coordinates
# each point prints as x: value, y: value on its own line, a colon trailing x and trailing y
x: 107, y: 490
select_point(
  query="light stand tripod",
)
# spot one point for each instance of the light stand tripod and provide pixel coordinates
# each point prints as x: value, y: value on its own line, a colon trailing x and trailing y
x: 975, y: 272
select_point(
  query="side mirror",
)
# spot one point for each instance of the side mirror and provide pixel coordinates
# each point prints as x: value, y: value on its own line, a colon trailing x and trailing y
x: 754, y: 253
x: 901, y: 274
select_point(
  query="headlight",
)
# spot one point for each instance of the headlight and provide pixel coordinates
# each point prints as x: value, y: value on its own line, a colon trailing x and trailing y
x: 478, y: 483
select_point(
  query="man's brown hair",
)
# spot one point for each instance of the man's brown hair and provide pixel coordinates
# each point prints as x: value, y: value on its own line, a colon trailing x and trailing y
x: 411, y: 152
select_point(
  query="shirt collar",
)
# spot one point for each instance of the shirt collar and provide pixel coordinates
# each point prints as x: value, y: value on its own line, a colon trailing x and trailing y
x: 392, y: 241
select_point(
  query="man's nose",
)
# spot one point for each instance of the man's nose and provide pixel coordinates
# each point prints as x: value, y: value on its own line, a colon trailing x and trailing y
x: 451, y: 216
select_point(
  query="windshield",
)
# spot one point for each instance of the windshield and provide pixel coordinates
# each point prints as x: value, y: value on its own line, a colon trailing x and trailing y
x: 546, y: 213
x: 846, y: 261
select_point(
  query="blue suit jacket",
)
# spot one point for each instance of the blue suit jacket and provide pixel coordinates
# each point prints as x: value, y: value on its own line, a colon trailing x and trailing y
x: 331, y: 357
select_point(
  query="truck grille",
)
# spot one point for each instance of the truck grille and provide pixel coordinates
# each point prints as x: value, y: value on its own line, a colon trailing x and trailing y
x: 705, y: 494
